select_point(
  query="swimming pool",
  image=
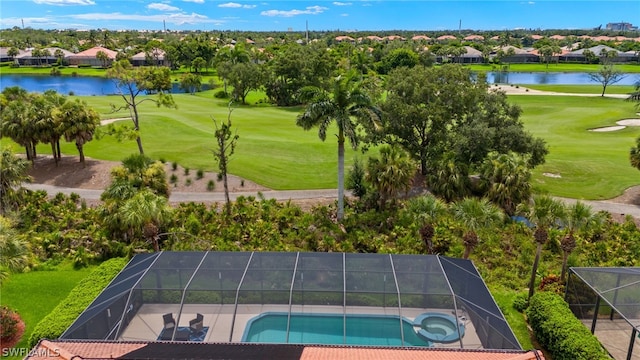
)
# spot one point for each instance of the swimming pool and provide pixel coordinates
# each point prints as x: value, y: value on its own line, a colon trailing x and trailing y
x: 378, y: 330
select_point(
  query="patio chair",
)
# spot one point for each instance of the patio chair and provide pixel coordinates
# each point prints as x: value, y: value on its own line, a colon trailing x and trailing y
x: 196, y: 324
x: 169, y: 321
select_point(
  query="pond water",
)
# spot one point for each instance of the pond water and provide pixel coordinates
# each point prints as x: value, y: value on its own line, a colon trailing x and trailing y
x: 557, y: 78
x: 81, y: 86
x: 87, y: 86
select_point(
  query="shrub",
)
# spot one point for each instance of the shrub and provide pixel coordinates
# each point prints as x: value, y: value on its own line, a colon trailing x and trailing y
x: 199, y: 174
x: 211, y: 185
x: 219, y: 176
x: 186, y: 171
x: 520, y: 303
x: 63, y: 315
x: 560, y: 332
x: 221, y: 94
x: 55, y: 72
x: 188, y: 182
x: 242, y: 183
x: 8, y: 323
x: 173, y: 179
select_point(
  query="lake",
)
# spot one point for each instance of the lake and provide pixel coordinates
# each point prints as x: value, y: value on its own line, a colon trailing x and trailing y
x: 81, y: 86
x: 87, y: 86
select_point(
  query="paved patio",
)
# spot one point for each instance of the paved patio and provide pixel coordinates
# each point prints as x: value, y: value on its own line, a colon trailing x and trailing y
x: 615, y: 336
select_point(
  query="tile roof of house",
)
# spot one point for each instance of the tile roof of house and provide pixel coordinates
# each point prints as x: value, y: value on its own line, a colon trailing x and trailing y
x: 446, y: 37
x: 67, y: 350
x: 474, y: 37
x: 51, y: 50
x: 94, y: 51
x: 557, y: 37
x: 537, y: 37
x: 143, y: 54
x: 344, y: 38
x: 420, y: 37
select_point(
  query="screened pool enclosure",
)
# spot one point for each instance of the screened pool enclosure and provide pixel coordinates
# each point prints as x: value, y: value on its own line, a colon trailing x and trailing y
x: 607, y: 301
x: 326, y: 298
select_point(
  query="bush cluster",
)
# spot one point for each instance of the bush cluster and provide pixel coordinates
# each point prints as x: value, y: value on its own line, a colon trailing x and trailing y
x: 63, y: 315
x: 560, y: 332
x: 8, y: 323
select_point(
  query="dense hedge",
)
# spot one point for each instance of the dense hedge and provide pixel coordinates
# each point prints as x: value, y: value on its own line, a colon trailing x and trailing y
x: 63, y: 315
x: 560, y: 332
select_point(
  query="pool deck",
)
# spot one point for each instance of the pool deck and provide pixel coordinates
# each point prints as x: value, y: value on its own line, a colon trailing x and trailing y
x: 147, y: 324
x: 615, y: 336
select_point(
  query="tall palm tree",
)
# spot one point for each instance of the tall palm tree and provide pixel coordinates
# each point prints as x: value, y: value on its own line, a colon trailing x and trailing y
x: 391, y: 173
x: 544, y: 212
x: 77, y: 123
x: 17, y: 123
x: 346, y: 104
x: 475, y: 214
x: 578, y: 217
x: 47, y: 129
x: 426, y: 210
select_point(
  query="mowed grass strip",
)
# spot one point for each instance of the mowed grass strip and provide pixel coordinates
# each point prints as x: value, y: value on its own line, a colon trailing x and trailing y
x: 25, y: 293
x: 581, y: 164
x: 552, y: 67
x: 583, y: 89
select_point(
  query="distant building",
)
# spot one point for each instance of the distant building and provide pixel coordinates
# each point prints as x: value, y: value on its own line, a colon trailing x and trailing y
x: 621, y: 26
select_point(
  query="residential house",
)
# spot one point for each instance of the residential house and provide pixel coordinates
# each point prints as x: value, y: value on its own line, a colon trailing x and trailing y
x: 49, y: 58
x: 514, y: 55
x: 155, y: 57
x: 90, y: 57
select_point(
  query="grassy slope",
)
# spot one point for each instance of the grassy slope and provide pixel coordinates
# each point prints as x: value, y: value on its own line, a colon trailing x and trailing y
x: 26, y: 292
x: 583, y: 89
x: 593, y: 165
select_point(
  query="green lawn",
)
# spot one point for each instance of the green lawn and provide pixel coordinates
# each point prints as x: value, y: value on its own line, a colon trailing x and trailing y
x: 35, y: 294
x: 592, y: 165
x: 504, y: 298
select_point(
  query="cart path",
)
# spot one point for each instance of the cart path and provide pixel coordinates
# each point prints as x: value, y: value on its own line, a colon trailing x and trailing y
x: 283, y: 195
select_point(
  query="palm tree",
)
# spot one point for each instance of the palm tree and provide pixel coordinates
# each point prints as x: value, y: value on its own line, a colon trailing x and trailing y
x: 544, y: 212
x: 450, y: 179
x: 634, y: 153
x: 475, y: 214
x: 17, y: 123
x: 346, y: 103
x: 14, y: 252
x: 578, y: 217
x: 507, y: 180
x: 426, y: 210
x: 77, y: 123
x: 391, y: 173
x: 13, y: 172
x: 146, y: 212
x: 47, y: 129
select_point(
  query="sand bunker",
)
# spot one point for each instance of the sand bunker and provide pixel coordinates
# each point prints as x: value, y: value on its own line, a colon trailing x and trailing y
x: 621, y: 125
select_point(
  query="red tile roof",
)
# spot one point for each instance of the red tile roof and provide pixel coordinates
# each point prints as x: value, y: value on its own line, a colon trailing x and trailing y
x: 94, y: 51
x: 67, y: 350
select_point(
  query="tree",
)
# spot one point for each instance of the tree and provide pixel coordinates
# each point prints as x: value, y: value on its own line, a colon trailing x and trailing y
x: 346, y: 103
x: 133, y: 82
x: 391, y: 173
x: 245, y: 77
x: 449, y: 179
x: 46, y: 126
x: 578, y: 217
x: 606, y: 75
x: 13, y: 52
x: 145, y: 213
x: 589, y: 56
x: 103, y: 58
x: 226, y: 141
x: 425, y: 211
x: 474, y: 214
x: 14, y: 252
x: 543, y: 212
x: 401, y: 57
x: 17, y: 120
x: 634, y: 155
x: 13, y: 172
x: 191, y: 83
x: 198, y: 63
x: 506, y: 180
x: 77, y: 122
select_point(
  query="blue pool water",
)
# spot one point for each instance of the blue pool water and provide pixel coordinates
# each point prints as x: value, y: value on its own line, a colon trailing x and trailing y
x: 378, y: 330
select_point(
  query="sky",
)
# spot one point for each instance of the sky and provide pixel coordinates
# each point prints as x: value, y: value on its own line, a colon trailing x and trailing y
x: 320, y: 15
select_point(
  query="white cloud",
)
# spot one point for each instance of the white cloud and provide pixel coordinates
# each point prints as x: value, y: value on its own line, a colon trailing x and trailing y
x: 531, y: 3
x: 345, y: 14
x: 310, y: 10
x: 162, y: 7
x: 176, y: 19
x: 195, y: 1
x: 65, y: 2
x: 338, y: 3
x: 236, y: 5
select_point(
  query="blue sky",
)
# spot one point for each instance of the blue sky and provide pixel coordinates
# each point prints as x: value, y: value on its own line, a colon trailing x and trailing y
x: 321, y: 15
